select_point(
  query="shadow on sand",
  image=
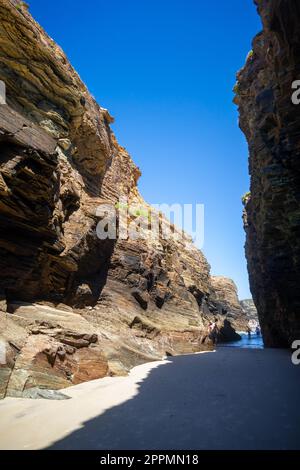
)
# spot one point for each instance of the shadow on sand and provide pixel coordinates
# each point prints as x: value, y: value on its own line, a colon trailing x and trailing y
x: 230, y: 399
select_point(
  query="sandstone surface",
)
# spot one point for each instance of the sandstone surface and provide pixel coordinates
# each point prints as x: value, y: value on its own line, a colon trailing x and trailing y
x: 75, y: 307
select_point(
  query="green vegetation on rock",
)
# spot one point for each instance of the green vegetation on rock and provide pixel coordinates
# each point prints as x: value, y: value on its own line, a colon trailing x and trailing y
x: 250, y: 54
x: 246, y: 197
x: 22, y: 5
x: 236, y: 88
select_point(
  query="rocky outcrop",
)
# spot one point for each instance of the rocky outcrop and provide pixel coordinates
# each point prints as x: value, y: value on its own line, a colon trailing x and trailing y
x: 231, y: 317
x: 47, y: 348
x: 225, y: 292
x: 76, y: 307
x: 270, y: 122
x: 249, y: 310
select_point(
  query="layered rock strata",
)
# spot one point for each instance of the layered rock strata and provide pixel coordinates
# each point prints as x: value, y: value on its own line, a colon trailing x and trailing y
x: 230, y: 312
x: 270, y: 121
x: 75, y: 307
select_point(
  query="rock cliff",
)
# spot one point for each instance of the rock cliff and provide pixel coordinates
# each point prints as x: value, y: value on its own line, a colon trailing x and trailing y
x: 226, y: 295
x: 270, y: 122
x: 75, y: 307
x: 249, y: 310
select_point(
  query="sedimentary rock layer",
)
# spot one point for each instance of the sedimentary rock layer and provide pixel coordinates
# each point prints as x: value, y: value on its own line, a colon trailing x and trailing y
x: 270, y: 122
x: 75, y: 307
x: 226, y: 294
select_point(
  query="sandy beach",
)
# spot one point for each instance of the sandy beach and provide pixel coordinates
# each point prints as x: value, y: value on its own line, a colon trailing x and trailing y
x: 228, y: 399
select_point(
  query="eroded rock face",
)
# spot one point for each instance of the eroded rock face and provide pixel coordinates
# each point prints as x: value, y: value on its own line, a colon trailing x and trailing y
x: 226, y: 293
x: 270, y: 122
x: 230, y: 316
x: 75, y: 307
x: 48, y: 348
x: 249, y: 309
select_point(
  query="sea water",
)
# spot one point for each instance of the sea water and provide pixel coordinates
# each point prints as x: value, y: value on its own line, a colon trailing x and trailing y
x: 255, y: 342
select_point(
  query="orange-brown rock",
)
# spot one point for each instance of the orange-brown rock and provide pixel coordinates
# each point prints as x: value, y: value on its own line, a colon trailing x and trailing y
x: 83, y: 307
x: 47, y: 348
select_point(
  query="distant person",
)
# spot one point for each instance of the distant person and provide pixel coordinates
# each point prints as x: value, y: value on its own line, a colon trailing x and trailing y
x: 214, y: 332
x: 249, y: 332
x: 211, y: 332
x: 258, y: 332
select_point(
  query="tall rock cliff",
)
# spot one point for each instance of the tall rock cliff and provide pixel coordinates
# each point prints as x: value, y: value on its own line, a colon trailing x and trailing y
x: 75, y: 307
x: 270, y: 122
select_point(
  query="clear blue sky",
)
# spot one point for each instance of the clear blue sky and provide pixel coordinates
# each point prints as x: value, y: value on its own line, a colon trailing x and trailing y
x: 165, y: 69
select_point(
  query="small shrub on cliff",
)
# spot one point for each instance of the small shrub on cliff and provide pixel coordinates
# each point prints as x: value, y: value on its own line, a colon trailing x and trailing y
x: 134, y: 211
x: 120, y: 206
x: 250, y: 54
x: 22, y: 5
x: 236, y: 88
x: 246, y: 197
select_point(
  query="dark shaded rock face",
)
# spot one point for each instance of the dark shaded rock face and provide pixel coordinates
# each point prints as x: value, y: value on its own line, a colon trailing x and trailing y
x: 228, y: 333
x: 228, y: 305
x: 74, y: 307
x: 270, y: 122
